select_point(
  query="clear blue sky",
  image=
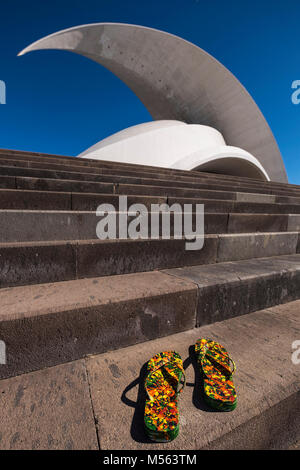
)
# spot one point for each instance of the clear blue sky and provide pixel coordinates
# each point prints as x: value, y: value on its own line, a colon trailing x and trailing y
x: 62, y: 103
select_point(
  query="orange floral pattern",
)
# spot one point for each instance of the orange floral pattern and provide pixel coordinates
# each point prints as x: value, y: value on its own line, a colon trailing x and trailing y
x: 161, y: 408
x: 214, y: 360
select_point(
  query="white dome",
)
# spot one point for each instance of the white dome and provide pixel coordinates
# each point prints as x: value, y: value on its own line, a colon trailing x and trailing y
x: 174, y: 144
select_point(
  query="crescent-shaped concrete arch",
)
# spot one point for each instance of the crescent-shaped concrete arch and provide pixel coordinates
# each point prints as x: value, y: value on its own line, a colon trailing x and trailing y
x: 176, y: 80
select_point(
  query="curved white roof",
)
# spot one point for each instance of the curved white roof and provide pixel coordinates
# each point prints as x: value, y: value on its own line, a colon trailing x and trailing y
x: 174, y: 144
x: 132, y: 132
x: 175, y: 80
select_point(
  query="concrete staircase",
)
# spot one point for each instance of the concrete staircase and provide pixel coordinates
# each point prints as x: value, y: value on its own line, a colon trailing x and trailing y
x: 80, y: 316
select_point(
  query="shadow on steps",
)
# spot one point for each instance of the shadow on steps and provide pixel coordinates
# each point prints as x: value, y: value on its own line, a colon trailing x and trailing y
x: 137, y: 426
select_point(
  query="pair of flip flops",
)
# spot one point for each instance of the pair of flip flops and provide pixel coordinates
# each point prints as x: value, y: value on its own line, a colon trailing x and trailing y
x: 163, y: 385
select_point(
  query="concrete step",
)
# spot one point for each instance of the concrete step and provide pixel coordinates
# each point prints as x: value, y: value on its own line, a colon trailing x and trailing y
x: 235, y: 288
x: 44, y: 171
x: 99, y: 401
x: 51, y: 200
x: 154, y: 171
x: 64, y: 185
x: 240, y: 193
x: 48, y: 324
x: 247, y: 223
x: 48, y: 410
x: 43, y: 262
x: 41, y: 157
x: 234, y: 206
x: 106, y: 165
x: 23, y: 226
x: 65, y: 201
x: 157, y: 184
x: 36, y: 225
x: 213, y: 191
x: 267, y: 384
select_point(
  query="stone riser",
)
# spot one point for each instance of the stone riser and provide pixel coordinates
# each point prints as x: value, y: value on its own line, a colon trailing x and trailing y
x: 48, y: 324
x: 136, y: 170
x: 66, y: 296
x: 92, y: 398
x: 65, y: 201
x: 267, y: 385
x: 36, y: 263
x: 27, y: 226
x: 32, y: 176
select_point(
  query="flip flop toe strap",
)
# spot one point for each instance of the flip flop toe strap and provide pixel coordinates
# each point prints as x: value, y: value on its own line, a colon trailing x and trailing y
x: 159, y: 366
x: 211, y: 355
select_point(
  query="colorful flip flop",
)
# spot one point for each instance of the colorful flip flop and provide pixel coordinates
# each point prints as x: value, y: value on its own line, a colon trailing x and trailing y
x: 214, y: 360
x: 162, y: 384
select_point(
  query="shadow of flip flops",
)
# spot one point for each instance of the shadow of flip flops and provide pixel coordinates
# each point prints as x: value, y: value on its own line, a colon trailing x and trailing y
x: 198, y: 394
x: 137, y: 430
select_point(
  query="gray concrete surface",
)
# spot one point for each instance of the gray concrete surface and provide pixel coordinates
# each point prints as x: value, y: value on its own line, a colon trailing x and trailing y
x: 39, y: 262
x: 64, y: 406
x: 251, y: 223
x: 44, y: 325
x: 234, y: 247
x: 294, y: 223
x: 266, y: 379
x: 251, y: 197
x: 83, y: 171
x: 42, y: 262
x: 34, y: 200
x: 236, y: 288
x: 48, y: 410
x: 21, y: 199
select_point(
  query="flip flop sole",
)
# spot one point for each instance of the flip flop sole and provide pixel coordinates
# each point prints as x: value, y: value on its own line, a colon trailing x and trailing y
x: 211, y: 372
x: 161, y: 416
x: 218, y: 405
x: 161, y: 437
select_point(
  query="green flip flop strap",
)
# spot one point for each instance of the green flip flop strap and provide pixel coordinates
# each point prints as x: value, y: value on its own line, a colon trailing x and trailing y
x: 160, y: 366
